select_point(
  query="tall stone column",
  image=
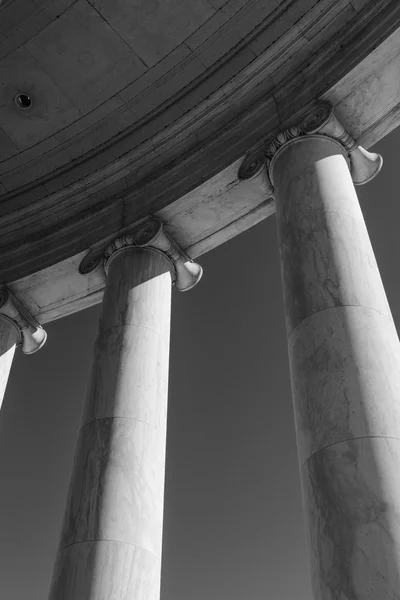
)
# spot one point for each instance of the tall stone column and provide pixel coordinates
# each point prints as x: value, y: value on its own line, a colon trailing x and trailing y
x: 9, y: 337
x: 344, y: 356
x: 17, y: 327
x: 110, y: 545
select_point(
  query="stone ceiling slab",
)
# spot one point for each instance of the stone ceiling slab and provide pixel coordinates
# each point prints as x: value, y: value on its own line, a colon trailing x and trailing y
x: 238, y: 27
x: 7, y: 149
x: 85, y: 56
x: 218, y: 3
x: 28, y: 26
x: 217, y: 21
x: 13, y: 14
x: 153, y: 29
x: 166, y: 86
x: 253, y: 67
x: 52, y: 109
x: 373, y: 99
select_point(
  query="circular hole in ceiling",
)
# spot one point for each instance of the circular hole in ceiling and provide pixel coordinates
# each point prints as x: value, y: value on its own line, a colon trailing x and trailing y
x: 23, y: 101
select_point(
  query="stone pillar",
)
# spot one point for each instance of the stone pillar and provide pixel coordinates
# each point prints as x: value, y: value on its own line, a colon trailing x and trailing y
x: 9, y: 337
x: 17, y: 327
x: 344, y: 356
x: 110, y: 545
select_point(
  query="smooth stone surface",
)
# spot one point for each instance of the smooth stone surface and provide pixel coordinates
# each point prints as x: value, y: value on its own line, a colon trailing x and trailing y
x: 9, y: 337
x: 344, y: 356
x: 345, y: 372
x: 111, y: 541
x: 120, y: 384
x: 199, y: 221
x: 327, y: 257
x: 117, y: 488
x: 106, y: 570
x: 237, y: 77
x: 352, y: 492
x: 320, y: 251
x: 142, y: 295
x: 314, y: 179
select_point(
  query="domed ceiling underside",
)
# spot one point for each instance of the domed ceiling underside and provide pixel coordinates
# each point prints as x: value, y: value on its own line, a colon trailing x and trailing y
x: 134, y: 103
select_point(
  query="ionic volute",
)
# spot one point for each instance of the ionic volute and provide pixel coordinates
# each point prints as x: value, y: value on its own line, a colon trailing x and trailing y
x: 364, y: 165
x: 31, y: 335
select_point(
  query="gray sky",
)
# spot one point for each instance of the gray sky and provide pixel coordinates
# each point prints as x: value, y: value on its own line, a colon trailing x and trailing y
x: 233, y: 520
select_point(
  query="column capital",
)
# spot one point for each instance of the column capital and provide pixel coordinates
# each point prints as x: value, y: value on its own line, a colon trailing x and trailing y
x: 152, y: 235
x: 31, y: 335
x: 321, y: 120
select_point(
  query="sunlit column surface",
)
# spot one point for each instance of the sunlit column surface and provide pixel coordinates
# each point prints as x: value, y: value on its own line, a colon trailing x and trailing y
x: 345, y: 369
x: 17, y: 327
x: 111, y: 540
x: 9, y: 337
x: 110, y: 546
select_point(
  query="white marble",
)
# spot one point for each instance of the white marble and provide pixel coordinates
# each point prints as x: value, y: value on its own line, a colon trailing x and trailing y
x: 352, y: 492
x: 117, y: 486
x: 112, y: 534
x: 136, y: 292
x: 120, y: 384
x: 344, y: 356
x: 345, y: 372
x: 9, y: 336
x: 105, y: 570
x: 327, y: 257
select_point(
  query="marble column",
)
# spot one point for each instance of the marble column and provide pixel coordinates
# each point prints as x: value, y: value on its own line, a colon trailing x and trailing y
x: 344, y: 356
x: 9, y: 337
x: 110, y: 545
x: 17, y: 327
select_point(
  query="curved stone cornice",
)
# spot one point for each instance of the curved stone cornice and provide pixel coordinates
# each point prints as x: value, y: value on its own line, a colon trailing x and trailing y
x: 321, y: 120
x: 31, y: 335
x: 150, y: 234
x: 62, y: 213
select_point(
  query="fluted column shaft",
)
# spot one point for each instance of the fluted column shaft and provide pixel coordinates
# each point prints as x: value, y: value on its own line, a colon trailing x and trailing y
x: 111, y: 540
x: 9, y: 337
x: 344, y: 357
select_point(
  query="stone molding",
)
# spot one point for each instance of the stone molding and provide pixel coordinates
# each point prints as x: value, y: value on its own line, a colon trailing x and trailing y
x: 86, y: 204
x: 31, y: 336
x: 321, y: 120
x: 150, y: 234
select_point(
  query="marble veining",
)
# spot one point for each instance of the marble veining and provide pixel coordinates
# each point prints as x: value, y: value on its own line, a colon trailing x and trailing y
x: 342, y: 386
x: 105, y: 570
x: 129, y: 300
x: 111, y: 539
x: 315, y: 170
x: 128, y: 376
x: 8, y: 338
x: 351, y: 492
x: 344, y: 356
x: 326, y: 255
x: 328, y: 262
x: 117, y: 488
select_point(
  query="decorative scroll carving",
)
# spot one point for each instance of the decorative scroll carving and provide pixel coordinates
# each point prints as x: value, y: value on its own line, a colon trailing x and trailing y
x: 256, y: 166
x: 364, y: 165
x: 151, y: 234
x: 31, y: 335
x: 91, y: 261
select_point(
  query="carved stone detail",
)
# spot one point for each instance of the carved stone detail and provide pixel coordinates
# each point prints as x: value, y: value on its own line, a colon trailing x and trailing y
x: 321, y: 120
x: 151, y: 233
x: 31, y: 335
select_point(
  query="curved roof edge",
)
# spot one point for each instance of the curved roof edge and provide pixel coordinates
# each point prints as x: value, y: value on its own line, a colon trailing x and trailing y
x: 37, y: 234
